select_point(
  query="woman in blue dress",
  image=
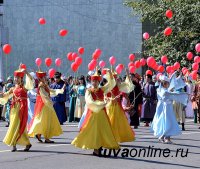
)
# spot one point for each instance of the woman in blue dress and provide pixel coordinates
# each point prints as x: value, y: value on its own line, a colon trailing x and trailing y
x: 80, y: 101
x: 164, y: 124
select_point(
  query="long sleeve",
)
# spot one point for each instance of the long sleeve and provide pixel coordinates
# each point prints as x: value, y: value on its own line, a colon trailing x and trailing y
x: 109, y: 85
x: 29, y: 84
x: 181, y: 97
x: 55, y: 92
x: 127, y: 86
x: 95, y: 106
x: 45, y: 98
x: 6, y: 96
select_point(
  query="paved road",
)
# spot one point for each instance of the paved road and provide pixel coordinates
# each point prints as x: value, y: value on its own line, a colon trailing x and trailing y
x: 62, y: 155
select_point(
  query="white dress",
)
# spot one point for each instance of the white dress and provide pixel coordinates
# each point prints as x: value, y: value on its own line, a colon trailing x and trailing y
x: 189, y: 110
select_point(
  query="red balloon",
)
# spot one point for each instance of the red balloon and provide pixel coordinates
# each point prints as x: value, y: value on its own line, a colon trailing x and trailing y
x: 137, y: 64
x: 168, y: 31
x: 48, y: 62
x: 177, y: 65
x: 121, y: 66
x: 69, y: 56
x: 132, y: 69
x: 118, y: 69
x: 81, y: 50
x: 91, y: 66
x: 151, y: 61
x: 193, y: 74
x: 164, y: 59
x: 102, y: 64
x: 161, y: 68
x: 184, y: 68
x: 143, y: 62
x: 169, y: 69
x: 52, y: 72
x: 58, y: 62
x: 189, y: 55
x: 96, y: 54
x: 94, y: 62
x: 185, y: 71
x: 63, y: 32
x: 112, y: 60
x: 155, y: 67
x: 74, y: 55
x: 197, y: 59
x: 131, y: 64
x: 78, y: 61
x: 149, y: 72
x: 23, y: 66
x: 169, y: 14
x: 197, y: 47
x: 7, y: 49
x: 38, y: 61
x: 74, y: 66
x: 131, y: 57
x: 146, y: 36
x: 42, y: 21
x: 195, y: 66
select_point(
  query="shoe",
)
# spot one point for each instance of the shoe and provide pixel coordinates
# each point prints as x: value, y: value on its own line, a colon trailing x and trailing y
x: 39, y: 139
x: 135, y: 127
x: 7, y: 125
x: 49, y: 141
x: 28, y: 147
x: 161, y: 139
x: 14, y: 149
x: 167, y: 141
x: 183, y: 126
x: 146, y: 125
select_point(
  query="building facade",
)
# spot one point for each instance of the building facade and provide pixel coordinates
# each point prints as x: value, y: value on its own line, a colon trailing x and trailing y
x: 104, y: 24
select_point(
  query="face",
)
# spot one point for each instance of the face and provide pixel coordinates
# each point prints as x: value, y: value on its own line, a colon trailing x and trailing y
x: 198, y: 77
x: 57, y: 79
x: 81, y: 81
x: 148, y: 79
x: 165, y: 84
x: 10, y: 81
x: 17, y: 80
x: 95, y: 83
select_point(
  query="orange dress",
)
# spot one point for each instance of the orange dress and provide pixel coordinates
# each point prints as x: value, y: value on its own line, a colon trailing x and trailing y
x: 96, y: 130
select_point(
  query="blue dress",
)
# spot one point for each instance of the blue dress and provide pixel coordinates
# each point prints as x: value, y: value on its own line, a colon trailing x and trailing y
x: 59, y: 102
x: 164, y: 122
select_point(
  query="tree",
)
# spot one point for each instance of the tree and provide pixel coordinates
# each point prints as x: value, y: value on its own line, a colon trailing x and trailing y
x: 185, y: 24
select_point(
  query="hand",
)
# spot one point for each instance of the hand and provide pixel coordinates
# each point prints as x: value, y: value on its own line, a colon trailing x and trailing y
x: 64, y: 87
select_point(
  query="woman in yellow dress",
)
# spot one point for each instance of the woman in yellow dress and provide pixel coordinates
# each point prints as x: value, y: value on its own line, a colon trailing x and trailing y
x: 17, y: 131
x: 96, y: 131
x: 119, y: 122
x: 45, y: 121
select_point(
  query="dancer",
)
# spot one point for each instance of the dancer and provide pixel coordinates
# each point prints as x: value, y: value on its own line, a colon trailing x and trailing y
x: 165, y: 125
x: 32, y: 98
x: 96, y: 131
x: 45, y: 121
x: 119, y: 122
x: 17, y: 133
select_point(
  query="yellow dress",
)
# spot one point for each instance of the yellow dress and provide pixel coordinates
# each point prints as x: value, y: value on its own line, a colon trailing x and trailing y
x: 13, y: 136
x: 96, y: 131
x: 119, y: 122
x: 45, y: 120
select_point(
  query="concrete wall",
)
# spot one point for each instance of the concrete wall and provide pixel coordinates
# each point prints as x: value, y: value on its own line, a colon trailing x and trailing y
x: 104, y: 24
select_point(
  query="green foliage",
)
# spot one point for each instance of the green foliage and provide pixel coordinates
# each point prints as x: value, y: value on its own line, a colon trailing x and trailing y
x: 185, y: 24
